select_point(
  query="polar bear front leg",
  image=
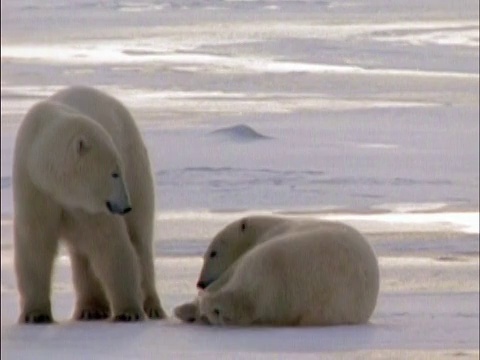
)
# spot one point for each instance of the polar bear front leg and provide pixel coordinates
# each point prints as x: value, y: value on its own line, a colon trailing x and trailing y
x: 141, y: 237
x: 115, y: 263
x: 35, y: 248
x: 92, y: 303
x: 151, y: 304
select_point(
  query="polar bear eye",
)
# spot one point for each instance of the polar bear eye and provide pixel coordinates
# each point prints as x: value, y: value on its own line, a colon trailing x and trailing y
x: 243, y: 226
x: 213, y: 254
x: 115, y: 175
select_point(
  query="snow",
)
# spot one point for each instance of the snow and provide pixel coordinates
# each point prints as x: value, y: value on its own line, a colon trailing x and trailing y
x: 362, y: 111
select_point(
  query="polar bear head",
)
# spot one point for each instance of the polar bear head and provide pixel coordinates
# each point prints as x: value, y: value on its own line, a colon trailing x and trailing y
x: 75, y: 161
x: 227, y: 308
x: 232, y: 242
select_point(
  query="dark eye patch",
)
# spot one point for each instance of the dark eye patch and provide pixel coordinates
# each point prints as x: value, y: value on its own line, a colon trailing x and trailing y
x: 213, y: 254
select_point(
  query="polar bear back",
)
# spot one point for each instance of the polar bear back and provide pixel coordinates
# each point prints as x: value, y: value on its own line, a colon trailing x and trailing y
x: 240, y: 236
x: 320, y: 275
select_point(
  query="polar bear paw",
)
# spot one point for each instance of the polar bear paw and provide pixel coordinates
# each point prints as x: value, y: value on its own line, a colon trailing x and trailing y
x: 129, y: 316
x: 37, y: 317
x: 155, y: 313
x: 153, y: 309
x: 187, y: 312
x: 190, y: 313
x: 92, y: 314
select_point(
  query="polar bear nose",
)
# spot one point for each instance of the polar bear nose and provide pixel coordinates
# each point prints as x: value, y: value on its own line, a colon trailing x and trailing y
x: 201, y: 285
x: 115, y: 209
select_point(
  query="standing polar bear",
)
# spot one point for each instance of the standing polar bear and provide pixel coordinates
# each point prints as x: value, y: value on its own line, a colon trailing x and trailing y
x: 264, y: 270
x: 81, y: 173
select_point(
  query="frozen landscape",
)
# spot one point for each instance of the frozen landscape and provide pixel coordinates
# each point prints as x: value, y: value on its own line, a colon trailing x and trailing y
x: 359, y: 111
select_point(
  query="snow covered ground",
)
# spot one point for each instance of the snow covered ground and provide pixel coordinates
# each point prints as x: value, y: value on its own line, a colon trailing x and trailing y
x: 359, y: 111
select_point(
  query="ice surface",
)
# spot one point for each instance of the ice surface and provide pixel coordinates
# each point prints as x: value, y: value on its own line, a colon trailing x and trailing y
x: 371, y: 113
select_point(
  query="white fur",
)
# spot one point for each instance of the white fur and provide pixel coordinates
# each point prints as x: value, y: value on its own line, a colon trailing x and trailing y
x: 75, y: 152
x: 239, y: 237
x: 288, y: 273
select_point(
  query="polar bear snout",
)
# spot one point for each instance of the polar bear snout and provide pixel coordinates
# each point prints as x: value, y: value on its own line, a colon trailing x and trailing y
x: 202, y: 284
x: 115, y: 209
x: 127, y: 210
x: 119, y: 201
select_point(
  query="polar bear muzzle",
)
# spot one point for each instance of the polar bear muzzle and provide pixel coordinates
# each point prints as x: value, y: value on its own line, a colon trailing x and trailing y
x: 115, y: 209
x: 119, y: 201
x: 203, y: 284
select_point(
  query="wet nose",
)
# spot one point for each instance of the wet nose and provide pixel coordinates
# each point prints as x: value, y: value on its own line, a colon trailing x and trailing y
x: 126, y: 210
x: 114, y: 209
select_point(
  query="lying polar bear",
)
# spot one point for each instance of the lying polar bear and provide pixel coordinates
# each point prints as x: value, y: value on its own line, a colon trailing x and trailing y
x: 265, y: 270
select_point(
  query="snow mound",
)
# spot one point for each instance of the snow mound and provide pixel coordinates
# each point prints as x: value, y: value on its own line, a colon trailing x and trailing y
x: 239, y: 133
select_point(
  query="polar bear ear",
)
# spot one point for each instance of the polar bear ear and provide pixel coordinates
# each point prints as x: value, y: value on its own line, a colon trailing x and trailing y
x: 81, y: 146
